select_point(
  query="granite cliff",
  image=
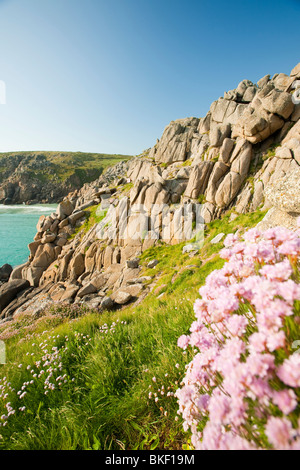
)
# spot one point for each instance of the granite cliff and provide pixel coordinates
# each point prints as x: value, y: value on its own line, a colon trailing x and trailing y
x: 244, y: 155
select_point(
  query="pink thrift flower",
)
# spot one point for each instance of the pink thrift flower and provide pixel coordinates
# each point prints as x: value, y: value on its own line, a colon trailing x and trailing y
x: 257, y: 343
x: 290, y: 247
x: 252, y: 235
x: 202, y: 402
x: 289, y: 371
x: 279, y: 432
x: 276, y: 341
x: 236, y: 324
x: 183, y: 342
x: 286, y: 400
x: 231, y: 239
x: 279, y: 271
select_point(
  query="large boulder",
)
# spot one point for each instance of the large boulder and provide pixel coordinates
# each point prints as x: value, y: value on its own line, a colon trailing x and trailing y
x: 228, y: 189
x: 18, y: 270
x: 284, y: 193
x: 198, y: 179
x: 64, y: 209
x: 174, y: 145
x: 9, y: 290
x: 264, y: 115
x: 5, y: 272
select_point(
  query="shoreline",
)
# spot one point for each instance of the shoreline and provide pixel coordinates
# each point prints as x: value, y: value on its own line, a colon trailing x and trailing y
x: 17, y: 230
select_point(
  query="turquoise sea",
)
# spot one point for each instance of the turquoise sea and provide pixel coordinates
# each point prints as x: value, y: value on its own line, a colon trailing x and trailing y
x: 17, y: 230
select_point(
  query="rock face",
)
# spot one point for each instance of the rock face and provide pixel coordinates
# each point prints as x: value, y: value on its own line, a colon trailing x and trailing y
x: 46, y: 177
x: 244, y: 154
x: 284, y: 196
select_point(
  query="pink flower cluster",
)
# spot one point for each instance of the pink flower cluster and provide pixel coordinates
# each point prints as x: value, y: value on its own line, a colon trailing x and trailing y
x: 240, y: 390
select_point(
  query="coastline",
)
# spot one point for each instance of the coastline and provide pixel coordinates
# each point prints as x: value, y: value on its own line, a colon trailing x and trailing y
x: 17, y: 229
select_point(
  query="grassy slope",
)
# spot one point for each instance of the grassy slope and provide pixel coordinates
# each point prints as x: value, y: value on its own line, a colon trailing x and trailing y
x: 104, y: 402
x: 87, y: 166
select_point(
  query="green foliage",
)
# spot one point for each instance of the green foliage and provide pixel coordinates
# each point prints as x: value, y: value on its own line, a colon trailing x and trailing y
x: 94, y: 215
x: 201, y: 199
x: 109, y: 361
x: 59, y: 166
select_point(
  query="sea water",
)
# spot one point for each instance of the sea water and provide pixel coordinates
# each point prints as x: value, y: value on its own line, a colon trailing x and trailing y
x: 17, y: 230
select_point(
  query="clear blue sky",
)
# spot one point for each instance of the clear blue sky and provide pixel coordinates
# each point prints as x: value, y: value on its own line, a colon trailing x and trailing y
x: 109, y: 75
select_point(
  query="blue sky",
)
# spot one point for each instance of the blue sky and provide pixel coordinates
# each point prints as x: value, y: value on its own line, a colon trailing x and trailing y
x: 109, y: 75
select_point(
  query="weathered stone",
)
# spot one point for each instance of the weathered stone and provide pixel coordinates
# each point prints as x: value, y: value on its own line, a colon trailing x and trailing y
x: 243, y: 200
x: 64, y: 209
x: 220, y: 169
x: 69, y: 293
x: 263, y: 81
x: 226, y: 150
x: 76, y: 267
x: 40, y: 223
x: 89, y: 288
x: 45, y: 255
x: 276, y: 217
x: 278, y: 103
x: 296, y: 71
x: 139, y: 280
x: 258, y: 195
x: 207, y: 212
x: 218, y: 133
x: 48, y: 237
x: 99, y: 280
x: 217, y: 238
x: 198, y: 180
x: 228, y: 189
x: 34, y: 274
x: 63, y: 223
x: 33, y: 247
x: 249, y: 94
x: 17, y: 271
x: 61, y: 241
x: 265, y: 115
x: 152, y: 263
x: 10, y: 289
x: 283, y: 152
x: 76, y: 216
x: 5, y: 272
x: 284, y: 193
x: 133, y: 263
x: 218, y: 109
x: 175, y: 142
x: 121, y: 297
x: 108, y: 255
x: 189, y: 248
x: 204, y: 124
x: 241, y: 158
x: 107, y: 303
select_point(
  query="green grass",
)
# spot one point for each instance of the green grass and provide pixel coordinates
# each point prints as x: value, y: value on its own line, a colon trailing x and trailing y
x: 60, y: 166
x: 94, y: 215
x: 103, y: 401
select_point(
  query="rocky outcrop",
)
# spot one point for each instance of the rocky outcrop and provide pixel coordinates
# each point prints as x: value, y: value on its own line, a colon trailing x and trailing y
x: 47, y: 177
x: 5, y: 272
x: 243, y: 155
x: 9, y: 291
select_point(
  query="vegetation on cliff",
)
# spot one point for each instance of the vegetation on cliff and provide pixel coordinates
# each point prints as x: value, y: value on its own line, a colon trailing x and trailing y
x: 75, y: 379
x: 49, y: 176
